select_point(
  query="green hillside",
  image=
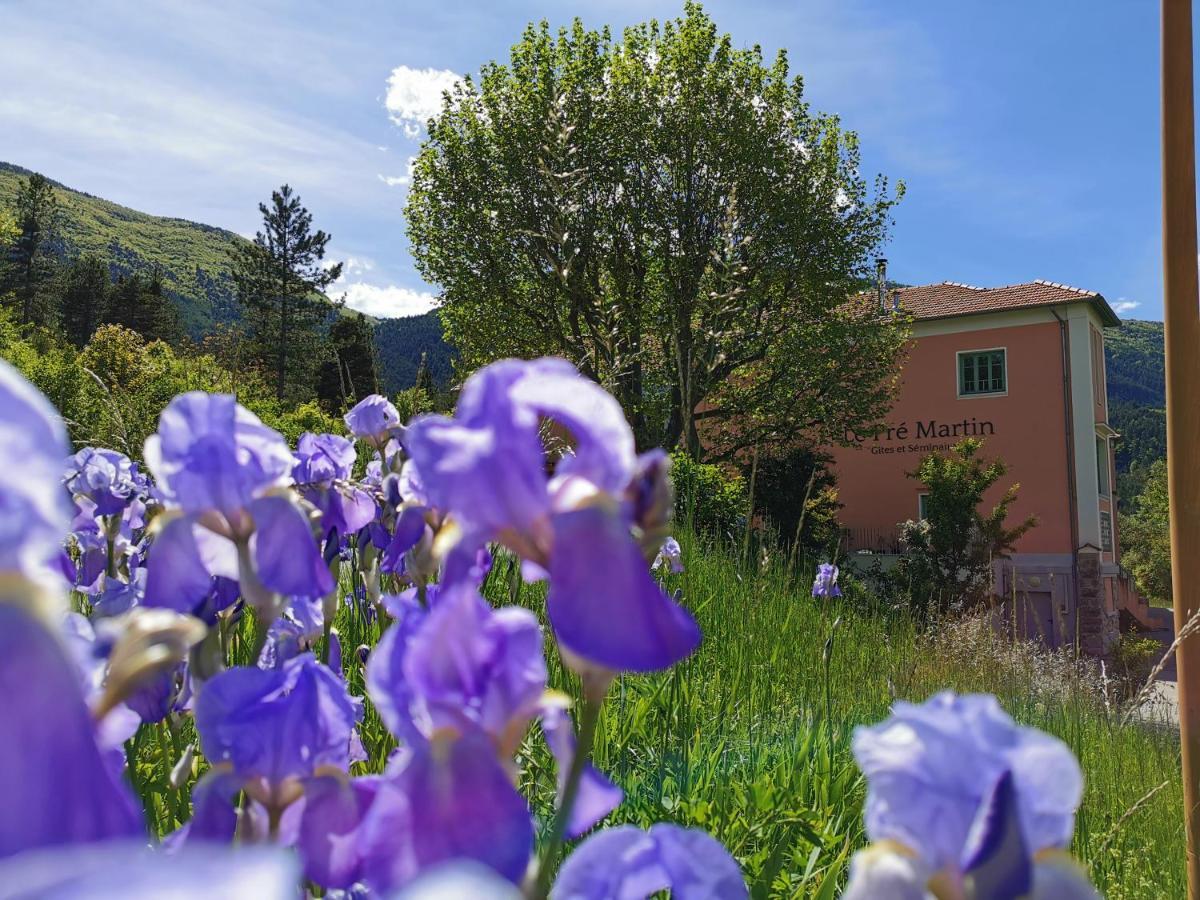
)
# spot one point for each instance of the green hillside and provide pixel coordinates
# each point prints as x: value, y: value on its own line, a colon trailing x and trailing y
x: 194, y: 258
x: 1137, y: 392
x: 194, y: 261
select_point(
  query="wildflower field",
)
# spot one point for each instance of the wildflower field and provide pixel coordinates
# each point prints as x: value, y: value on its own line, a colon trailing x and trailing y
x: 463, y: 671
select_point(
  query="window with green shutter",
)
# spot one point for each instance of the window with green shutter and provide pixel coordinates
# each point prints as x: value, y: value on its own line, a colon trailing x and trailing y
x: 982, y: 372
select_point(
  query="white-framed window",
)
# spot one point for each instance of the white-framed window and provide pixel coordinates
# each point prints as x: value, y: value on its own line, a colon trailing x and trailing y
x: 923, y: 506
x: 982, y: 373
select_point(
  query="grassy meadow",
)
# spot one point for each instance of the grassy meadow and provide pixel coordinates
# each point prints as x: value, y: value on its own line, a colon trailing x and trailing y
x: 750, y: 738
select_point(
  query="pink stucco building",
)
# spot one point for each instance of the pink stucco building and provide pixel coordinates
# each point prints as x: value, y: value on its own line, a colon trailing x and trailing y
x: 1021, y: 367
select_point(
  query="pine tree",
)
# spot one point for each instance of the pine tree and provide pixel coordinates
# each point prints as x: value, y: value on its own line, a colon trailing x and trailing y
x: 279, y: 279
x: 139, y: 302
x: 29, y: 265
x: 424, y: 379
x: 83, y: 303
x: 350, y: 372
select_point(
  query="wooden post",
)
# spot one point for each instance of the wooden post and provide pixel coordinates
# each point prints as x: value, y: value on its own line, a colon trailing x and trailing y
x: 1181, y: 314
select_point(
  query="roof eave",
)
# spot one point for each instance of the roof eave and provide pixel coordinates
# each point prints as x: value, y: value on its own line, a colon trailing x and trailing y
x: 1107, y: 316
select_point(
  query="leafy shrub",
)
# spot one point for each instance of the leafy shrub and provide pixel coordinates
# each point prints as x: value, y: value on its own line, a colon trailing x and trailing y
x: 1146, y: 537
x: 794, y: 491
x: 308, y: 416
x: 1132, y: 659
x: 712, y: 499
x: 948, y: 556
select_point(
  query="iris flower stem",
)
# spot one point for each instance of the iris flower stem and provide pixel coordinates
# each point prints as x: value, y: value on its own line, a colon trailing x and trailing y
x: 583, y: 752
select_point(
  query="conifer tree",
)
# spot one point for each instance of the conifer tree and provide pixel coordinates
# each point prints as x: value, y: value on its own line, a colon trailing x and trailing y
x: 349, y: 372
x: 279, y: 279
x: 138, y: 302
x: 424, y: 379
x: 83, y: 302
x: 29, y: 268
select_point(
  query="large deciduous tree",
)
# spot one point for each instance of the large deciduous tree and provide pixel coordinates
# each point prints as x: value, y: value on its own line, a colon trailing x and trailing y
x: 666, y: 211
x: 279, y: 279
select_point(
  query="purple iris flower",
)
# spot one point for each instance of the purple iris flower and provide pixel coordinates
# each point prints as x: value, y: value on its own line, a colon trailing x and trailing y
x: 961, y: 790
x: 324, y: 463
x: 131, y: 870
x: 107, y: 478
x: 486, y: 468
x: 323, y: 459
x: 669, y: 555
x: 34, y: 509
x: 464, y: 667
x: 826, y: 584
x: 224, y: 470
x: 294, y: 632
x: 273, y: 728
x: 211, y: 454
x: 459, y: 879
x: 373, y: 419
x: 449, y: 800
x: 276, y: 724
x: 58, y: 787
x: 629, y: 862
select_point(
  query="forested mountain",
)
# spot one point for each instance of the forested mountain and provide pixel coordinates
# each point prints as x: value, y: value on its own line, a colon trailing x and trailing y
x: 193, y: 260
x: 1137, y: 392
x: 400, y: 343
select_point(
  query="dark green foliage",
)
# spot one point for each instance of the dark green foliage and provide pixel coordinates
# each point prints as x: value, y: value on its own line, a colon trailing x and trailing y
x: 349, y: 371
x: 402, y: 343
x: 28, y: 268
x: 137, y: 302
x: 708, y: 498
x: 424, y: 379
x: 948, y: 559
x: 83, y: 298
x: 279, y: 281
x: 1134, y: 365
x: 666, y: 212
x: 1146, y: 537
x: 795, y: 493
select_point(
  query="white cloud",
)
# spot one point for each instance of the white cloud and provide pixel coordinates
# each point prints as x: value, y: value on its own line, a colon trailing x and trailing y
x: 387, y: 302
x: 1123, y: 306
x: 415, y: 95
x: 400, y: 180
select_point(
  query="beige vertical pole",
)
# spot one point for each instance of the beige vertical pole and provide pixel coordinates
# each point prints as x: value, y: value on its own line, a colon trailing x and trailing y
x: 1181, y: 313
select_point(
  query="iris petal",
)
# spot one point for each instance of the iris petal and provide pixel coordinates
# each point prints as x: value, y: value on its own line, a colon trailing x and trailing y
x: 603, y: 603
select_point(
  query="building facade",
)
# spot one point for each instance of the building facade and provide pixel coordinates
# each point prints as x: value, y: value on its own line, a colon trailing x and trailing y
x: 1021, y: 368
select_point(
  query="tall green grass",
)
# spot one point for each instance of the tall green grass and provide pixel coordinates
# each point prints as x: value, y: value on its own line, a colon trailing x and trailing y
x: 750, y: 740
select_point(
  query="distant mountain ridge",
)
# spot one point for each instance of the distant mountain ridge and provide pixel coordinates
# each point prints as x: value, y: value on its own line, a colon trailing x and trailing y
x: 194, y: 259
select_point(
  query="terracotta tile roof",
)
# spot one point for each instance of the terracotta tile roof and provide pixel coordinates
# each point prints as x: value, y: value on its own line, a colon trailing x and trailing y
x: 950, y: 298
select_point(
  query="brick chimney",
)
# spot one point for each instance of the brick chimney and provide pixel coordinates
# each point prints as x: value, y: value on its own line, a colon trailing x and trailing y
x: 881, y: 282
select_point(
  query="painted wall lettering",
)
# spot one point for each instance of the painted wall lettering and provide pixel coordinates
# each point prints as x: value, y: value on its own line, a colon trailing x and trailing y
x: 924, y: 428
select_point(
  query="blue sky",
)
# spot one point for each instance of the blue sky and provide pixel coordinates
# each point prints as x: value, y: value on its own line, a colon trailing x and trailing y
x: 1026, y: 131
